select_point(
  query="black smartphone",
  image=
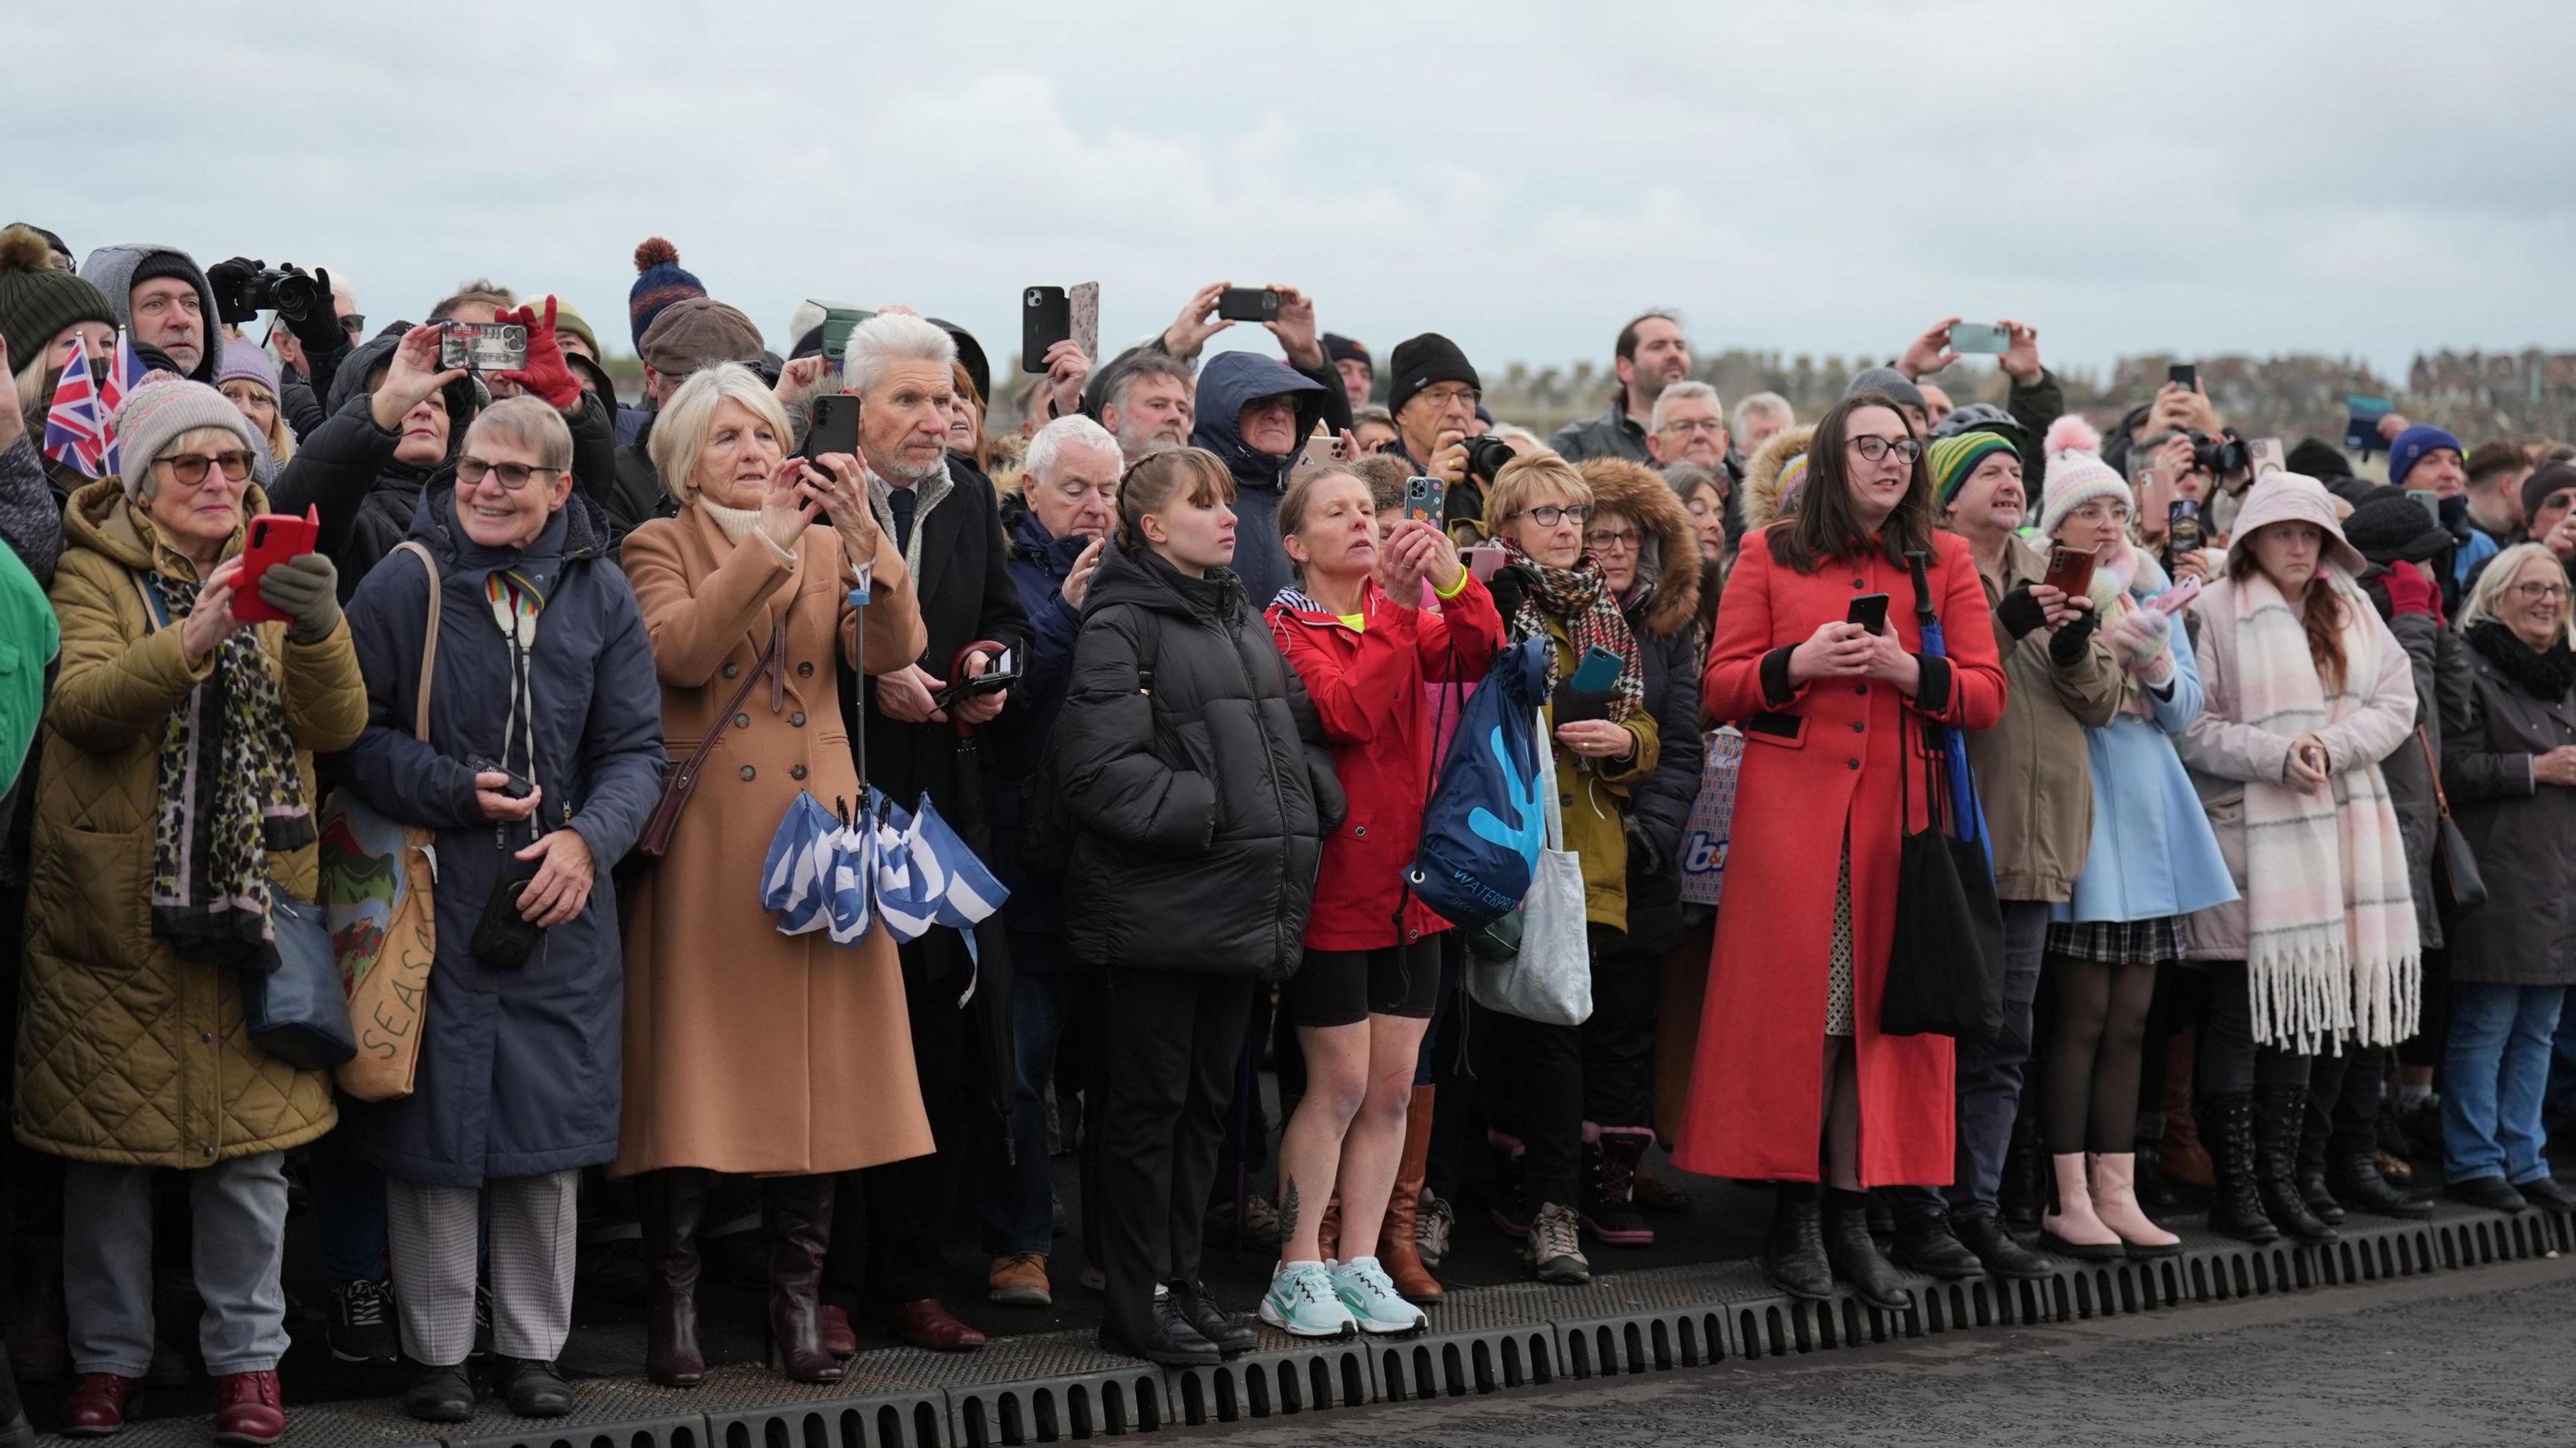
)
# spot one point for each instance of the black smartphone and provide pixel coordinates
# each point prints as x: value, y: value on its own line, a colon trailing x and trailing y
x: 834, y: 428
x: 1046, y: 318
x: 2183, y: 374
x: 1248, y: 304
x: 515, y: 787
x: 1869, y: 611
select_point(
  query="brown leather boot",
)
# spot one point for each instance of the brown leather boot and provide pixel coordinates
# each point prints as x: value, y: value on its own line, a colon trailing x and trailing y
x: 1328, y: 1230
x: 669, y: 1204
x: 2186, y: 1160
x: 1397, y: 1250
x: 799, y: 1216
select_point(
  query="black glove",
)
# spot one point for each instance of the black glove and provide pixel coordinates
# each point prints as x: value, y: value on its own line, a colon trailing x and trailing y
x: 2066, y: 650
x: 319, y: 327
x: 230, y: 278
x: 306, y: 588
x: 1644, y: 856
x: 2019, y: 613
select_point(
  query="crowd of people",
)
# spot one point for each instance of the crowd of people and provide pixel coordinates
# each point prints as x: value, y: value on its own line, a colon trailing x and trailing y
x: 2269, y: 774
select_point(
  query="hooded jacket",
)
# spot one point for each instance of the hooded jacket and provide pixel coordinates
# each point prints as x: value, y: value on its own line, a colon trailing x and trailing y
x: 1761, y: 490
x: 111, y: 269
x: 1229, y: 381
x: 1194, y: 769
x: 128, y: 1053
x: 519, y: 1070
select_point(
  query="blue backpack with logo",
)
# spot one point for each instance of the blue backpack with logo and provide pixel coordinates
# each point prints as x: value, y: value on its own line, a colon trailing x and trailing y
x: 1484, y: 824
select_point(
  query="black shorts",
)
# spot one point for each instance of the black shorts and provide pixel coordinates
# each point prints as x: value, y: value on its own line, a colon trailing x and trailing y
x: 1346, y: 987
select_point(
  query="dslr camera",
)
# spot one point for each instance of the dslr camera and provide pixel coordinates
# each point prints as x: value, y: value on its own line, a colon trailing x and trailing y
x: 1487, y: 456
x: 2222, y: 456
x: 242, y: 293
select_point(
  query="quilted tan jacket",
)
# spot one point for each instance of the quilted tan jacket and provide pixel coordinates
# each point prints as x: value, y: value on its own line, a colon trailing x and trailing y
x: 127, y: 1053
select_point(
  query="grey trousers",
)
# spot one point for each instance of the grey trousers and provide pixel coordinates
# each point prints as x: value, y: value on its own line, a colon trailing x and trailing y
x: 239, y: 1206
x: 433, y: 1232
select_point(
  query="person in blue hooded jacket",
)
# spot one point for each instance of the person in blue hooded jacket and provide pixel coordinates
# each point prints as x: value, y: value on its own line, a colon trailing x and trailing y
x: 544, y: 752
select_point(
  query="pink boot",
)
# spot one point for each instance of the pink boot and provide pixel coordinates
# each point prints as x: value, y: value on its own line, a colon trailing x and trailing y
x: 2073, y: 1229
x: 2115, y: 1204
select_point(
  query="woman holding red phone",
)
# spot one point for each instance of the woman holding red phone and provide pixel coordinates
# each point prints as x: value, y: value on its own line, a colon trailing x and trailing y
x: 1794, y: 1080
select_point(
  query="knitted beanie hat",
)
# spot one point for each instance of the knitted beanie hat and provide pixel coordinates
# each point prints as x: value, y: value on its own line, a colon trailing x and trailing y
x: 2076, y: 473
x: 2414, y: 445
x: 1954, y: 458
x: 160, y: 412
x: 659, y: 282
x: 249, y: 363
x: 36, y: 301
x: 1418, y: 362
x: 2543, y: 482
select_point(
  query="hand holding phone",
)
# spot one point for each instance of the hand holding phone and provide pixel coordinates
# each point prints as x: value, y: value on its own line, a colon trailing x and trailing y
x: 1425, y: 498
x: 833, y: 428
x: 1870, y: 612
x: 273, y: 538
x: 2070, y: 571
x: 1046, y: 318
x: 1248, y: 304
x: 2177, y: 598
x: 1985, y: 337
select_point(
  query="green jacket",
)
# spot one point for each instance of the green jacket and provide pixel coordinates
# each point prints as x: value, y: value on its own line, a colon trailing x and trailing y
x: 1593, y: 793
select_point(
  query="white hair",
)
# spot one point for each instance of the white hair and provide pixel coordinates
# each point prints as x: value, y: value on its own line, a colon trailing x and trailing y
x: 1764, y: 404
x: 808, y: 315
x: 1066, y: 432
x: 893, y: 337
x: 2486, y: 596
x: 680, y: 431
x: 1683, y: 391
x: 1524, y: 442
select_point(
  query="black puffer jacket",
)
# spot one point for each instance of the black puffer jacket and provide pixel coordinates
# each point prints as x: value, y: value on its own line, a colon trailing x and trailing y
x: 1196, y: 776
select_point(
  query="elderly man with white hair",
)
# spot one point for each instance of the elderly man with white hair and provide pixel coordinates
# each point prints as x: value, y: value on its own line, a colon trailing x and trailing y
x: 1759, y: 416
x: 943, y: 516
x: 1057, y: 525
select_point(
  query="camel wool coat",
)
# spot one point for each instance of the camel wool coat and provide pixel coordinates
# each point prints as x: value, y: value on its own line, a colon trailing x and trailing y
x: 748, y: 1050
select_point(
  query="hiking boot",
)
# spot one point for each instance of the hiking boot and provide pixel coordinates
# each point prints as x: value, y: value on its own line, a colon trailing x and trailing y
x: 1431, y: 1230
x: 1609, y: 1187
x: 1554, y: 1247
x: 1019, y: 1281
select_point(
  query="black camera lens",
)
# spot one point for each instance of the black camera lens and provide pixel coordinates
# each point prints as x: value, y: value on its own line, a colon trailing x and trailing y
x: 291, y: 294
x: 1487, y: 456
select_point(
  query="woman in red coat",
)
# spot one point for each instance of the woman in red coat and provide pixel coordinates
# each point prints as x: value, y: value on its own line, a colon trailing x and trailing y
x: 1365, y: 992
x: 1791, y: 1067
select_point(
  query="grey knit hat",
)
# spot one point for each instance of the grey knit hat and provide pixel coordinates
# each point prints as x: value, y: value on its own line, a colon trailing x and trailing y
x: 159, y: 413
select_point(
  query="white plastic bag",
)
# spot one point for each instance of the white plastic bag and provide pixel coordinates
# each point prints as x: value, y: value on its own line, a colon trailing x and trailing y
x: 1550, y: 979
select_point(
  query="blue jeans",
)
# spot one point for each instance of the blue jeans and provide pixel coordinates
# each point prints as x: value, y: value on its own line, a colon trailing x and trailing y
x: 1019, y: 1193
x: 1989, y: 1082
x: 2494, y: 1078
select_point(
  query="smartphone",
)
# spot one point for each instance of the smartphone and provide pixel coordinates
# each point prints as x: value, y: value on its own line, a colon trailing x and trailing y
x: 514, y: 787
x: 1085, y: 303
x: 1979, y: 337
x: 1321, y: 449
x: 2182, y: 528
x: 1248, y: 304
x: 2155, y: 494
x: 2268, y: 456
x: 1046, y: 318
x: 274, y: 538
x: 2177, y: 598
x: 1483, y: 560
x: 1599, y: 671
x: 1869, y: 611
x: 2184, y: 375
x: 834, y: 428
x: 2070, y: 571
x: 2361, y: 424
x: 2430, y: 502
x: 1425, y: 498
x: 838, y: 324
x: 483, y: 346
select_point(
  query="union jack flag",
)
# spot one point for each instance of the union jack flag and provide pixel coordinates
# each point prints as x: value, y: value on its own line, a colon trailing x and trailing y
x: 76, y: 430
x: 124, y: 373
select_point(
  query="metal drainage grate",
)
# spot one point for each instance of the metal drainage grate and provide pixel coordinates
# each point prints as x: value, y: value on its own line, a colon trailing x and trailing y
x: 606, y: 1414
x: 1650, y: 1340
x: 1283, y: 1375
x: 863, y: 1410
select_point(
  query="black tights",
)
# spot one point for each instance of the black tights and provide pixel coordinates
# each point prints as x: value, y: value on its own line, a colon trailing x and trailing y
x: 2100, y: 1027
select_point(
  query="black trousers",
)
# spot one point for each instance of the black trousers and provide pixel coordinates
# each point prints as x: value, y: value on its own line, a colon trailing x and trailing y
x: 906, y: 1208
x: 1553, y: 1079
x: 1174, y: 1040
x: 2230, y: 1063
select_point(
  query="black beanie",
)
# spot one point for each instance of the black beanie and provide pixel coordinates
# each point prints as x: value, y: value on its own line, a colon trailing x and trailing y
x: 2543, y: 482
x: 1339, y: 348
x: 2387, y: 526
x: 2318, y: 459
x: 1420, y: 361
x: 164, y: 264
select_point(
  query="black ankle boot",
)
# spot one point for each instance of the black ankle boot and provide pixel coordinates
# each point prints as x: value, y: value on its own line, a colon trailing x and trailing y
x: 2315, y: 1126
x: 1209, y: 1320
x: 1793, y: 1260
x: 2235, y: 1203
x: 2155, y: 1193
x: 2003, y: 1257
x: 1929, y: 1246
x: 2356, y: 1179
x: 440, y: 1395
x: 533, y: 1389
x: 2280, y: 1113
x: 1855, y: 1256
x: 1159, y: 1333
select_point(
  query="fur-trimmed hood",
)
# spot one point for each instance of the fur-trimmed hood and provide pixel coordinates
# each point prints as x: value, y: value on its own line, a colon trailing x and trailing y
x: 1669, y: 569
x: 1762, y: 475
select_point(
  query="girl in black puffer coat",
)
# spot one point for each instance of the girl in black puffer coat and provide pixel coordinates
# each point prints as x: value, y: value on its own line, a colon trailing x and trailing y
x: 1199, y: 787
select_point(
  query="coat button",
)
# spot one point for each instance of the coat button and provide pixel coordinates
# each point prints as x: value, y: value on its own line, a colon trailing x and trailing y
x: 1858, y: 725
x: 1854, y: 763
x: 210, y: 1151
x: 748, y: 773
x: 1860, y: 688
x: 205, y: 1038
x: 1860, y: 583
x: 742, y: 721
x: 1359, y: 832
x: 797, y: 719
x: 733, y: 671
x: 797, y: 772
x: 805, y: 670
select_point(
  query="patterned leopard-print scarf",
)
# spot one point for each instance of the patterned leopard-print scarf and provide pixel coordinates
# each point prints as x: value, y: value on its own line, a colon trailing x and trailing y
x: 1580, y: 599
x: 230, y: 794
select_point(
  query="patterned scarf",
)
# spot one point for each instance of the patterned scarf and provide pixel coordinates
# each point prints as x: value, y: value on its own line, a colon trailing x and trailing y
x: 1578, y: 598
x: 2331, y: 948
x: 230, y: 795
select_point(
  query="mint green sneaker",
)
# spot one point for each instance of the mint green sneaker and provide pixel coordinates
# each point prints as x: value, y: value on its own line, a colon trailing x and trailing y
x: 1365, y: 1289
x: 1302, y: 1302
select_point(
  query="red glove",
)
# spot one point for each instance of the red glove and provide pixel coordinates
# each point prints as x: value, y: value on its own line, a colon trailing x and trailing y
x: 2411, y: 592
x: 547, y: 374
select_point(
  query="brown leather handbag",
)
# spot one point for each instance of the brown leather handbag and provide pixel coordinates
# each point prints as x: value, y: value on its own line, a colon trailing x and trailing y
x: 682, y: 781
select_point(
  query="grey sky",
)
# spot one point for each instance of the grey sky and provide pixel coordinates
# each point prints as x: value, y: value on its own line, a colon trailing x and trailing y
x: 2368, y: 179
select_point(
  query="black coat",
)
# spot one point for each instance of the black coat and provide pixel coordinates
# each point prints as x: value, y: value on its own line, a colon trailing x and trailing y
x: 1040, y: 563
x: 2523, y: 832
x: 1196, y: 777
x: 1659, y: 805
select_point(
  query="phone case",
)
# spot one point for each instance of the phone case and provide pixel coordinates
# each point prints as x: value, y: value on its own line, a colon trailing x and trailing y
x: 2068, y: 575
x: 274, y: 538
x: 1979, y: 337
x: 1597, y: 674
x: 1425, y: 498
x: 1046, y: 318
x: 1248, y: 304
x: 1085, y: 302
x: 835, y: 428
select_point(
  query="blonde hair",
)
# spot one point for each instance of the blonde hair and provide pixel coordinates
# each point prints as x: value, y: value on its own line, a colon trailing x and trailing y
x: 281, y: 438
x: 147, y: 476
x: 532, y: 423
x: 1526, y: 477
x: 680, y: 433
x: 2504, y: 571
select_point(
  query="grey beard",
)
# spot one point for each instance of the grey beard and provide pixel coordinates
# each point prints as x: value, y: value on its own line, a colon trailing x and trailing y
x: 898, y: 472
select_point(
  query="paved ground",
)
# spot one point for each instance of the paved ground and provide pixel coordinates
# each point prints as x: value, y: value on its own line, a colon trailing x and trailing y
x: 2485, y: 1358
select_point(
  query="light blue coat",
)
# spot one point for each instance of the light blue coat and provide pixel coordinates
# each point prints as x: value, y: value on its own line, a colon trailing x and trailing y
x: 2153, y: 852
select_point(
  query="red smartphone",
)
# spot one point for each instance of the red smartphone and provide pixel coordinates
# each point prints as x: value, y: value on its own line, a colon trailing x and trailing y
x: 2070, y: 571
x: 274, y: 538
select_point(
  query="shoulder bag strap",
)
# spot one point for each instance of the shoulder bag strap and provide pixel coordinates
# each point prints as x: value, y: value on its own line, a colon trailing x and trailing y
x: 678, y: 783
x: 2433, y: 769
x: 428, y: 643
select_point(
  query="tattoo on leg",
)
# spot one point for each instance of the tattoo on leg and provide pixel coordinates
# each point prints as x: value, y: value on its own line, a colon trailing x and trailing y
x: 1288, y: 1214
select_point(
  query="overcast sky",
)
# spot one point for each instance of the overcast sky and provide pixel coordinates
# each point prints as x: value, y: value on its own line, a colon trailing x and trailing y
x: 2346, y: 178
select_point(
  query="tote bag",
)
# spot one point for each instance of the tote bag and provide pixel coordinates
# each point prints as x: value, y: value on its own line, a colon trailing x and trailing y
x: 1712, y: 818
x: 1482, y: 829
x: 1945, y: 970
x: 297, y: 1011
x: 1549, y: 979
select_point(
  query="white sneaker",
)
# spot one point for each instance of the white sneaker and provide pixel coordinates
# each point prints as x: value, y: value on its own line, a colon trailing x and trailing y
x: 1365, y: 1289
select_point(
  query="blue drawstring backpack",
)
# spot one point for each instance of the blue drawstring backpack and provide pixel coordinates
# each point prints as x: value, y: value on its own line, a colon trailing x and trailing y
x: 1484, y: 826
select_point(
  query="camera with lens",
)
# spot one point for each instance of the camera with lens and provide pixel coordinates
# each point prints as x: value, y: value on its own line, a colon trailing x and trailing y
x: 2222, y: 456
x: 243, y: 292
x: 1487, y: 456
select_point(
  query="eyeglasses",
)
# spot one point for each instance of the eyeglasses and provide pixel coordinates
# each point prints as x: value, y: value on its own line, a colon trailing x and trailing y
x: 1602, y: 540
x: 1450, y: 396
x: 1873, y: 449
x: 2539, y: 592
x: 189, y: 469
x: 1548, y: 515
x: 471, y: 471
x: 1706, y: 425
x: 354, y: 323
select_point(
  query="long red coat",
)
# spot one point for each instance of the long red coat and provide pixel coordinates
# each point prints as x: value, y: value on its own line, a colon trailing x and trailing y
x: 1825, y: 755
